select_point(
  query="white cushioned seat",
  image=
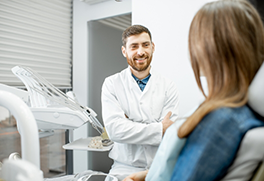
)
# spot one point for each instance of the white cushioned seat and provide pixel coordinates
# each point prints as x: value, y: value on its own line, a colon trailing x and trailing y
x: 251, y: 152
x: 249, y: 156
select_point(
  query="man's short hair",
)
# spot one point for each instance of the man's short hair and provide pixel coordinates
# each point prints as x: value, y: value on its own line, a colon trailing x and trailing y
x: 134, y: 30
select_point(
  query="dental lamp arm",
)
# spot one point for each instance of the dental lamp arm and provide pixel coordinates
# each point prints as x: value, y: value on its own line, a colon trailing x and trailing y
x: 27, y: 126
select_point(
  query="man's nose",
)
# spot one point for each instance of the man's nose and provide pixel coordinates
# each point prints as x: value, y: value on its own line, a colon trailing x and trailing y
x: 140, y: 51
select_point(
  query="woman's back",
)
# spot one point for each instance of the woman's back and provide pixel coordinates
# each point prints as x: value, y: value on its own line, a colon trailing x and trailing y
x: 212, y: 146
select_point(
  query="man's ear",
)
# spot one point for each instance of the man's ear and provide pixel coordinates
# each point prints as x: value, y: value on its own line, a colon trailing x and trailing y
x: 153, y: 46
x: 123, y: 51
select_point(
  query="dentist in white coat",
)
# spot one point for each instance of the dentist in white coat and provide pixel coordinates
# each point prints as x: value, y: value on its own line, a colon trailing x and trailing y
x: 138, y: 105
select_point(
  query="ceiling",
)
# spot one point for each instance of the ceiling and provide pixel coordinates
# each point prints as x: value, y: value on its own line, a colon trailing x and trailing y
x: 119, y: 22
x: 91, y: 2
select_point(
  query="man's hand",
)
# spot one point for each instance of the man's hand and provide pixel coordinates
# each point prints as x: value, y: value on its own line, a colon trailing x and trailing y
x: 166, y: 122
x: 139, y: 176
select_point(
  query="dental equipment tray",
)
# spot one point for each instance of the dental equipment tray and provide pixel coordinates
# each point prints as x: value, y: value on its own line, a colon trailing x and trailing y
x: 82, y: 144
x: 52, y: 108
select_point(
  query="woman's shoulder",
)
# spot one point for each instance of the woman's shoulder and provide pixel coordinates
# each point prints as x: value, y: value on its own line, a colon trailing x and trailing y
x: 237, y: 113
x: 232, y: 109
x: 243, y: 117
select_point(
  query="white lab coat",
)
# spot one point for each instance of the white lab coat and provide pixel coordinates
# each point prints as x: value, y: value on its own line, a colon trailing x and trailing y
x: 138, y: 136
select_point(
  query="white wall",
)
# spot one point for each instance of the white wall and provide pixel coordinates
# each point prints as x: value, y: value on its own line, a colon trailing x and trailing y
x: 82, y: 13
x: 169, y: 21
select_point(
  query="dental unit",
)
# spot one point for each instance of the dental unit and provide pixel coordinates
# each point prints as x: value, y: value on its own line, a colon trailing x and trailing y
x: 42, y: 107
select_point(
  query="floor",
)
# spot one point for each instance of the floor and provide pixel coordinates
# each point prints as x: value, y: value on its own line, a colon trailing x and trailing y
x: 52, y: 155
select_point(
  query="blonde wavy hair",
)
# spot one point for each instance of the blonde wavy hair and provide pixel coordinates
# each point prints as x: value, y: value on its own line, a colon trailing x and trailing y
x: 226, y: 44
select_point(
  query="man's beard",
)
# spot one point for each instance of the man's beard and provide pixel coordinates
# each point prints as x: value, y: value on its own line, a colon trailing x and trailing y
x: 137, y: 66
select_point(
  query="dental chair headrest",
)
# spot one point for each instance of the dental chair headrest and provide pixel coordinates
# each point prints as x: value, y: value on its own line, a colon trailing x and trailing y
x: 256, y: 92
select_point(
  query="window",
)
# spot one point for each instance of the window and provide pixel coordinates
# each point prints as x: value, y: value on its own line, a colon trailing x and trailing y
x: 36, y: 34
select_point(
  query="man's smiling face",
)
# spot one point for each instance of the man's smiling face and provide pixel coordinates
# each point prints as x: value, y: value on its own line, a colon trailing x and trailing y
x: 138, y: 51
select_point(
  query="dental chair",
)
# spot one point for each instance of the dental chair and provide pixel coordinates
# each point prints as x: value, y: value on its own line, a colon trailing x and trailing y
x: 259, y: 174
x: 250, y: 156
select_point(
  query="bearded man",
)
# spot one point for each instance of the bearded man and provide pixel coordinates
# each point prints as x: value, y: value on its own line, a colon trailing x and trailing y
x: 138, y: 105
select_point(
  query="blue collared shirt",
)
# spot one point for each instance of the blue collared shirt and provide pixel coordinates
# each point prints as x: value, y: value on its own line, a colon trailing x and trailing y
x: 142, y: 83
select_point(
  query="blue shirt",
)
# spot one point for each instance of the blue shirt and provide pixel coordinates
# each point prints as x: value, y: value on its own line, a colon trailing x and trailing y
x: 142, y: 83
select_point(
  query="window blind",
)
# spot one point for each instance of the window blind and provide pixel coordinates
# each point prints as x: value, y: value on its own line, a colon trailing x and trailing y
x: 36, y: 34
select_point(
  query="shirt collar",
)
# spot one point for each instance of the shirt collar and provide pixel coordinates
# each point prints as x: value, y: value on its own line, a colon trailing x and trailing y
x: 144, y: 81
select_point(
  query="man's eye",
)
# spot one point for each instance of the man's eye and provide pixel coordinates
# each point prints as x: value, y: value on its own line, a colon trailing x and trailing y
x: 146, y: 45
